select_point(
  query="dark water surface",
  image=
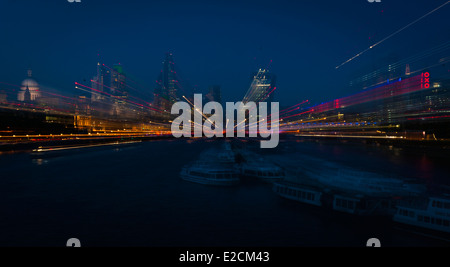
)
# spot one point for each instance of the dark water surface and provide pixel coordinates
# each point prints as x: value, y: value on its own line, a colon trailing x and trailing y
x: 132, y: 195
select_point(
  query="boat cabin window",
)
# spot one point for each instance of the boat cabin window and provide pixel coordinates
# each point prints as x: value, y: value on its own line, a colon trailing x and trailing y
x: 440, y: 204
x: 432, y: 220
x: 344, y: 203
x: 310, y: 196
x: 406, y: 213
x: 350, y: 204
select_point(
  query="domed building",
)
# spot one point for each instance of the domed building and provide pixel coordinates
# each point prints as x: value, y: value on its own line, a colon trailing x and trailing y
x: 29, y: 90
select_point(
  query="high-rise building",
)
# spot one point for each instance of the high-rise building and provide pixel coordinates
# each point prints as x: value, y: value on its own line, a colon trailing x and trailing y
x: 167, y: 85
x: 261, y: 88
x: 100, y: 83
x: 118, y: 89
x: 118, y: 82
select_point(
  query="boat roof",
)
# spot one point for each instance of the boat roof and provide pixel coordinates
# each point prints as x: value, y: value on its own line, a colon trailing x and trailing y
x: 210, y: 167
x: 266, y: 166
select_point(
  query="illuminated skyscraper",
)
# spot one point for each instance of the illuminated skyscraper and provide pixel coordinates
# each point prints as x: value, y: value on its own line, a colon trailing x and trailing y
x: 118, y: 82
x: 100, y: 83
x: 261, y: 88
x: 167, y: 85
x: 118, y: 89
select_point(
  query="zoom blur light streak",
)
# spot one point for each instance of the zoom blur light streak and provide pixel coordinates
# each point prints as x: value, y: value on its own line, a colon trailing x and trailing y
x: 212, y: 126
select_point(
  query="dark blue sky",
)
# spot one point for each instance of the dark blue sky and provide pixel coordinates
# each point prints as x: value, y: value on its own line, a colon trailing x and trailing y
x: 214, y: 42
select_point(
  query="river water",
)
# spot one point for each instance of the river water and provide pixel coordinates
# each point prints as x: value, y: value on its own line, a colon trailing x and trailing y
x: 132, y: 195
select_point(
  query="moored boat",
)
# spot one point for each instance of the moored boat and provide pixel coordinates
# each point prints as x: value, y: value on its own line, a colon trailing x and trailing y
x: 210, y: 174
x: 430, y: 213
x: 264, y: 171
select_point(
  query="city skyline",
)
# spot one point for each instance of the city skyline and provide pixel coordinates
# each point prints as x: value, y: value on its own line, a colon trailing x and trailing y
x: 212, y: 47
x: 246, y: 124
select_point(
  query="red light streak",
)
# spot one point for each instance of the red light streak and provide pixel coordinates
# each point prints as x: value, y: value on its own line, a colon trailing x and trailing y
x: 429, y: 117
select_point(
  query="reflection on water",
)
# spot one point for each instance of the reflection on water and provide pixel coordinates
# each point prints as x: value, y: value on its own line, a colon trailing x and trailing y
x: 39, y: 161
x: 133, y: 195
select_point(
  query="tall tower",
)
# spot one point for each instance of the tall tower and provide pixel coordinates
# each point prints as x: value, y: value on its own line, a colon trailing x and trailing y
x: 261, y: 88
x: 167, y: 85
x: 100, y: 82
x: 118, y: 82
x: 118, y: 90
x: 407, y: 70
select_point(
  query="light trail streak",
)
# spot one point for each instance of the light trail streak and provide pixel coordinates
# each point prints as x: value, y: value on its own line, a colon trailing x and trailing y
x: 267, y: 96
x: 137, y: 98
x: 129, y: 79
x: 195, y: 123
x: 286, y: 109
x: 89, y: 135
x: 112, y: 96
x: 196, y: 109
x: 11, y: 84
x: 255, y: 123
x: 77, y: 147
x: 351, y: 136
x: 413, y: 59
x: 240, y: 123
x: 309, y: 111
x: 393, y: 34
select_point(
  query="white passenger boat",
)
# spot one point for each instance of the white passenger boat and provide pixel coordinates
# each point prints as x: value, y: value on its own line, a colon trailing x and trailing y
x: 348, y: 179
x: 313, y: 194
x: 262, y: 170
x: 430, y: 213
x: 363, y: 205
x: 210, y: 174
x: 297, y: 192
x: 214, y: 167
x: 339, y: 177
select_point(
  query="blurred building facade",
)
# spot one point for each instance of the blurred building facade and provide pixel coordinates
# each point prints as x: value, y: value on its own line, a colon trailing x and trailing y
x: 29, y: 89
x: 167, y: 85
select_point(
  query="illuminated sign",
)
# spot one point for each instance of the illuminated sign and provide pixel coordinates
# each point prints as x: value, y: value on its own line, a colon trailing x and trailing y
x: 425, y: 80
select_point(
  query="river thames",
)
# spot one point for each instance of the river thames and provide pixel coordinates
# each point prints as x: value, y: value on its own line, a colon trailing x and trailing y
x: 132, y: 195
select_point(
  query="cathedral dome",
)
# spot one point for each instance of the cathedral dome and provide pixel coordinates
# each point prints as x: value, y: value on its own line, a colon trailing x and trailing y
x: 29, y: 89
x: 31, y: 84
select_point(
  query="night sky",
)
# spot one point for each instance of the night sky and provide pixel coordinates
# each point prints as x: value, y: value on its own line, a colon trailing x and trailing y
x: 214, y: 42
